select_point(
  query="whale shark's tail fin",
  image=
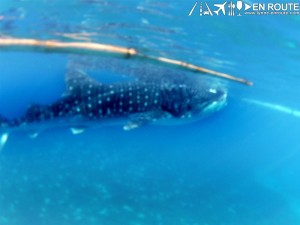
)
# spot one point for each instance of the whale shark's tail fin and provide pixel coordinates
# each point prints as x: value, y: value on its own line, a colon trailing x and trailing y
x: 3, y: 134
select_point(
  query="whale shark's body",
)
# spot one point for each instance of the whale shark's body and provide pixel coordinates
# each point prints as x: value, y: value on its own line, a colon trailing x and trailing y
x: 88, y: 102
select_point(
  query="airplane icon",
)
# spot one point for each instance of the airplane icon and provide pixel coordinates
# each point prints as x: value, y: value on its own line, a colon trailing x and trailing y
x: 221, y: 7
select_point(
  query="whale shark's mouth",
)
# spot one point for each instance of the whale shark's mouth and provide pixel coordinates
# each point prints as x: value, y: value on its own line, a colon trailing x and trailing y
x: 213, y: 106
x: 216, y: 105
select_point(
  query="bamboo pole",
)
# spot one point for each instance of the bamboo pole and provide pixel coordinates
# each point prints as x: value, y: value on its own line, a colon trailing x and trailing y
x: 49, y: 46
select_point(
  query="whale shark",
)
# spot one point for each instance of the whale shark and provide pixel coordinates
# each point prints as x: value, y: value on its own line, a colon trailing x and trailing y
x: 87, y: 102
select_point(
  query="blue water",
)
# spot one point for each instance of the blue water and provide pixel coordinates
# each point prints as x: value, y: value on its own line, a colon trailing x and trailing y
x: 238, y: 167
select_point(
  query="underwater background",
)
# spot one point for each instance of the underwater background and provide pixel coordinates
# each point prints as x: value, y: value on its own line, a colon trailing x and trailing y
x: 237, y: 167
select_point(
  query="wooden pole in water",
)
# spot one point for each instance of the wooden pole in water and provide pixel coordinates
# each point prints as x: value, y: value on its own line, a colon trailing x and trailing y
x: 49, y: 46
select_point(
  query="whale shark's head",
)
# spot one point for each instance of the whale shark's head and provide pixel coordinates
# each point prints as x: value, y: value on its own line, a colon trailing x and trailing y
x: 207, y: 101
x: 194, y: 101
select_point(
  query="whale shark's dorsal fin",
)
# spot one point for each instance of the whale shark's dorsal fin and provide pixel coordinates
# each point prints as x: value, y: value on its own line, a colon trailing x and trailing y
x: 78, y: 79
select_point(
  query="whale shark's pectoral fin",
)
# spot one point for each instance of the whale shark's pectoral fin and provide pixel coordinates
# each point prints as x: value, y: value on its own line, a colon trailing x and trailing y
x: 131, y: 125
x: 33, y: 134
x: 3, y: 140
x: 77, y: 130
x: 141, y: 119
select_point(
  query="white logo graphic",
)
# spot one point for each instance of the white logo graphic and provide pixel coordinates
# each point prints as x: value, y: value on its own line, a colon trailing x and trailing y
x: 208, y: 12
x: 247, y: 6
x: 220, y: 7
x: 231, y: 7
x: 239, y: 8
